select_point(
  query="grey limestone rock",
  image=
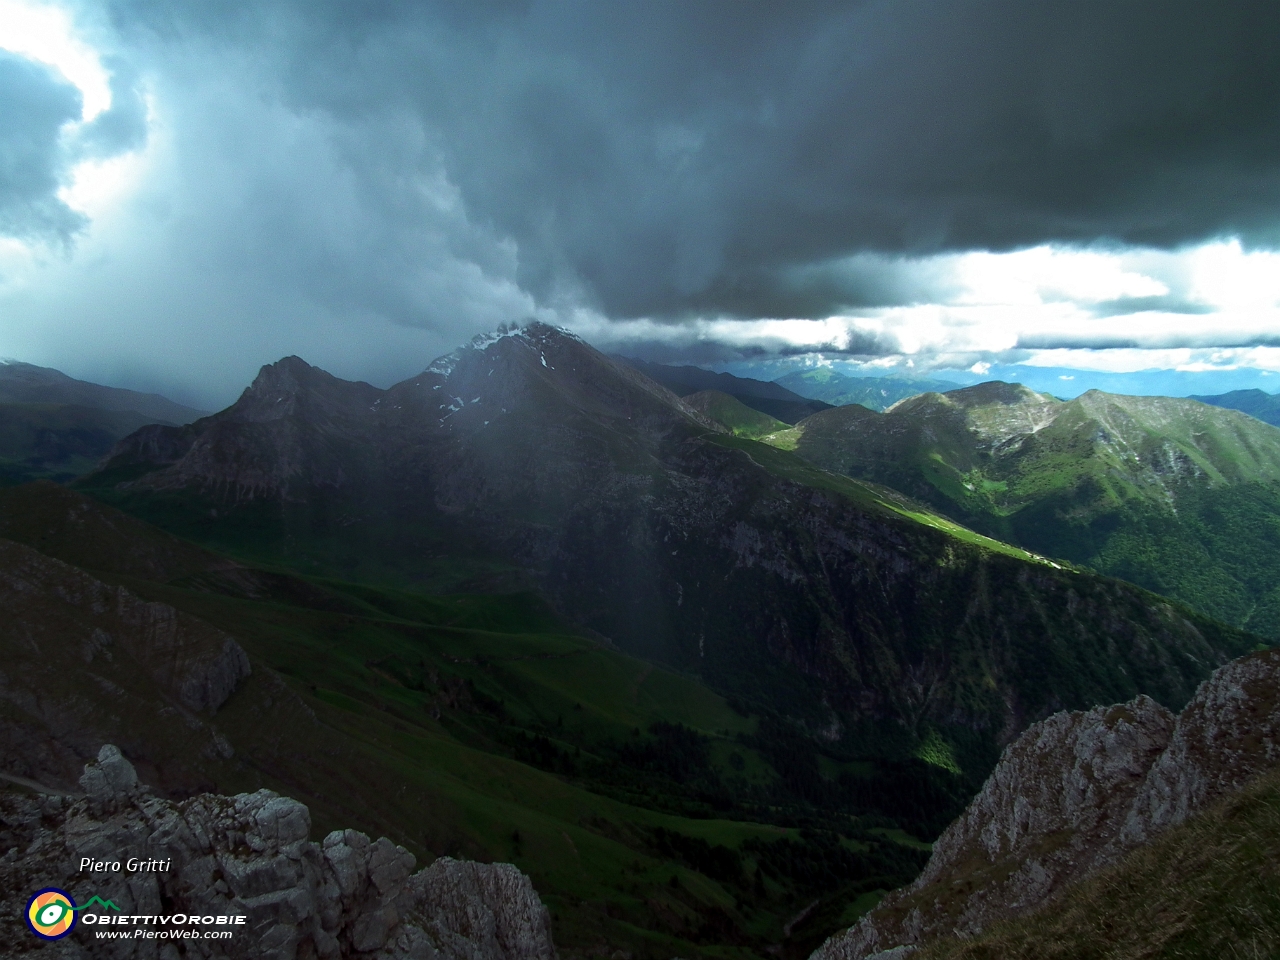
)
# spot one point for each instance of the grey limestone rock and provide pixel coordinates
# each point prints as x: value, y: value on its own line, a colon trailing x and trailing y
x: 1071, y: 796
x: 249, y: 856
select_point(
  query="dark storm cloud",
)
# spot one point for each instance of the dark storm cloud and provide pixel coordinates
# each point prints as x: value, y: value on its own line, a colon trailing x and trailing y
x: 673, y: 158
x: 36, y: 105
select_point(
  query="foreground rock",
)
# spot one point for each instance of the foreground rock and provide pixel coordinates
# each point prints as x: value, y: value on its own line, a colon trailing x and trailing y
x: 249, y: 856
x: 1072, y: 795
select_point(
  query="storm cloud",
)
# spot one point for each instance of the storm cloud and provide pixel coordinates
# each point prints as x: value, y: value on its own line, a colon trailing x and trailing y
x: 675, y: 158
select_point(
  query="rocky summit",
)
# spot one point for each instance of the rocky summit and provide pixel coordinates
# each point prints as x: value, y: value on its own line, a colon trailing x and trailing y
x: 249, y: 856
x: 1072, y: 796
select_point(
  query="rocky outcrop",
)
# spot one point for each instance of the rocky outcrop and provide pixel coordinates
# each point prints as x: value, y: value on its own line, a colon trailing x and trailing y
x: 249, y: 856
x: 1071, y: 796
x: 1226, y: 736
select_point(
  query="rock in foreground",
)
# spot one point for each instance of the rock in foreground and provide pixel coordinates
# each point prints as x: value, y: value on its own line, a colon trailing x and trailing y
x: 249, y: 856
x: 1073, y: 795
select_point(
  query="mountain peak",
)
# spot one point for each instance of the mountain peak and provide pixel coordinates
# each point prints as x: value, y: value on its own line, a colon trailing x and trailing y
x: 280, y: 386
x: 996, y: 392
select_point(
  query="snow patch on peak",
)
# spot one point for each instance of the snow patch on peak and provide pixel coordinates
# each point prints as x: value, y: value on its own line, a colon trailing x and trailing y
x: 444, y: 365
x: 481, y: 340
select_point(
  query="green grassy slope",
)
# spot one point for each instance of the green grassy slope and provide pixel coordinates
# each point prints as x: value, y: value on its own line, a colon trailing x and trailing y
x: 1207, y: 889
x: 652, y: 815
x: 1173, y: 495
x: 742, y: 420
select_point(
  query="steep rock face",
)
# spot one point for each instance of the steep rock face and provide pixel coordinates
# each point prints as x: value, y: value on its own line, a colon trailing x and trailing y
x: 82, y: 658
x: 249, y: 856
x: 1226, y: 735
x: 639, y: 518
x: 1072, y: 795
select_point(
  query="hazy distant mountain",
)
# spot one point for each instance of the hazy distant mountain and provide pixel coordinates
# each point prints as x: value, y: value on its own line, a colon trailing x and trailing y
x: 1256, y: 403
x: 27, y: 383
x: 763, y: 395
x: 57, y: 427
x: 874, y: 393
x: 1174, y: 495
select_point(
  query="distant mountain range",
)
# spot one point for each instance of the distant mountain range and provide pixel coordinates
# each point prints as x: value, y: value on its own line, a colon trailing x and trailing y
x: 54, y: 426
x: 1174, y: 495
x: 763, y: 395
x: 1256, y: 403
x: 874, y: 393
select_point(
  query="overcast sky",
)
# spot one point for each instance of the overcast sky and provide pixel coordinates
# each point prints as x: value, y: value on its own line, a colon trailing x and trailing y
x: 189, y: 190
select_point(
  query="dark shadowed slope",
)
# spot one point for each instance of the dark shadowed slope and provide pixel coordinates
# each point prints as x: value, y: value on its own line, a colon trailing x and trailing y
x: 57, y: 427
x: 474, y: 725
x: 27, y: 383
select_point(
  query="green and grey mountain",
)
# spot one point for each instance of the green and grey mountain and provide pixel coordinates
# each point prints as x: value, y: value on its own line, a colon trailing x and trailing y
x: 874, y: 393
x: 1174, y: 495
x: 740, y: 419
x: 531, y: 605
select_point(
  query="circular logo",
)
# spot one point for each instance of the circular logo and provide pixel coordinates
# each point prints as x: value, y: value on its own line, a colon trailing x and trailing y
x: 51, y: 914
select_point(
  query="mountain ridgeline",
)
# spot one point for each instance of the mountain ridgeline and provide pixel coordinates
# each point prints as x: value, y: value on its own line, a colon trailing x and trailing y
x: 1256, y: 403
x: 1173, y: 495
x: 765, y: 396
x: 531, y: 460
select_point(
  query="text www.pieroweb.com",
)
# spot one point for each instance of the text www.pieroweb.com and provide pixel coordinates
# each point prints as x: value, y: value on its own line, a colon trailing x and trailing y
x: 144, y: 934
x: 176, y: 927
